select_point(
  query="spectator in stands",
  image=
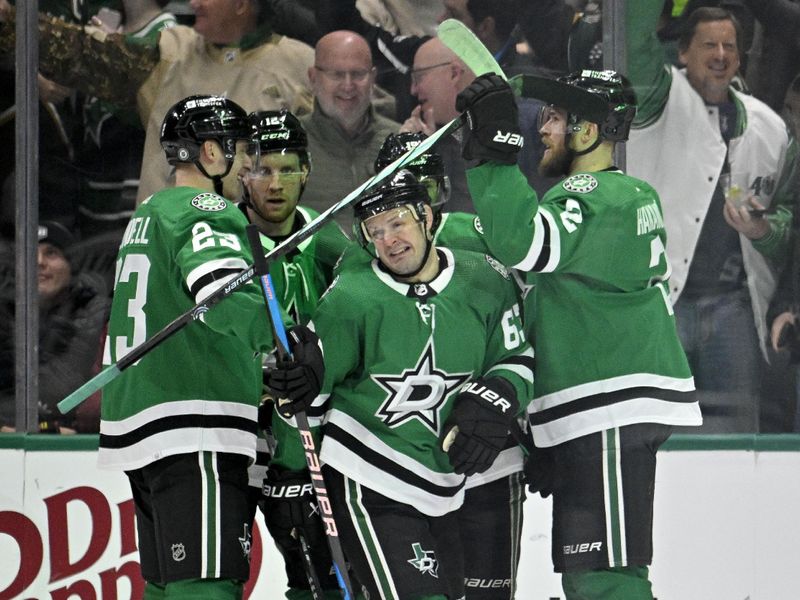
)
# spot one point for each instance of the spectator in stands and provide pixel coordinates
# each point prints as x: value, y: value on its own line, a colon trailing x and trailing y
x: 783, y: 319
x: 109, y: 154
x: 230, y: 49
x: 73, y: 310
x: 344, y: 131
x: 774, y: 73
x: 393, y: 54
x: 693, y: 130
x: 437, y: 78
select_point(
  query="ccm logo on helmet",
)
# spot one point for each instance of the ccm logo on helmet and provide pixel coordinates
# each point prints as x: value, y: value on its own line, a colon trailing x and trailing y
x: 483, y: 392
x: 512, y: 139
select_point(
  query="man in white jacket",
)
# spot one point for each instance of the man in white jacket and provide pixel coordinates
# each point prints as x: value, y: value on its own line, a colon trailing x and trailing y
x: 693, y: 131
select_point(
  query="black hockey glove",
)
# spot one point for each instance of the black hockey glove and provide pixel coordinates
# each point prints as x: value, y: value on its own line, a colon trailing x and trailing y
x: 491, y: 110
x: 477, y: 429
x: 290, y: 506
x: 295, y: 383
x: 540, y: 470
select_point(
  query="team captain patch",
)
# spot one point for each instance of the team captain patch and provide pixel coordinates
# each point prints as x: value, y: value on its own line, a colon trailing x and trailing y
x: 208, y: 202
x: 581, y: 183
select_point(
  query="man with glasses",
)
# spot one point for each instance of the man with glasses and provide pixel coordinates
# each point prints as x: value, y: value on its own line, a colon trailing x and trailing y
x: 344, y: 130
x: 273, y: 182
x: 436, y: 79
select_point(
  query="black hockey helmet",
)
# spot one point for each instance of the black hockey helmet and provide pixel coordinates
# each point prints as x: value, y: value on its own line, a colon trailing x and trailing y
x: 195, y: 119
x: 602, y: 97
x: 279, y: 131
x: 426, y: 167
x: 402, y: 190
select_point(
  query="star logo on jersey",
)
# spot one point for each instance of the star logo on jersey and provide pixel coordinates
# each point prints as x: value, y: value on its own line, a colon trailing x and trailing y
x: 424, y: 560
x: 582, y: 183
x: 208, y: 202
x: 418, y: 393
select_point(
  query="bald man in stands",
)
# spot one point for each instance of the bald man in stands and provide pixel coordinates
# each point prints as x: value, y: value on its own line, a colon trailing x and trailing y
x: 344, y: 130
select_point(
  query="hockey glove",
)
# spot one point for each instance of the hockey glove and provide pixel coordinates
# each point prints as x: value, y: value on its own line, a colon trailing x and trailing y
x: 477, y: 428
x: 290, y: 507
x: 491, y: 110
x: 296, y: 382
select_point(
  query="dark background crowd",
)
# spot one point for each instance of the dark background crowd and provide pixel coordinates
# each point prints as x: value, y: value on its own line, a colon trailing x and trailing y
x: 93, y: 144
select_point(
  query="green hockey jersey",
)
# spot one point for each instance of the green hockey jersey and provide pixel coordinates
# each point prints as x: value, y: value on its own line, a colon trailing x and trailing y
x: 607, y: 351
x: 299, y: 279
x: 396, y: 356
x: 199, y: 390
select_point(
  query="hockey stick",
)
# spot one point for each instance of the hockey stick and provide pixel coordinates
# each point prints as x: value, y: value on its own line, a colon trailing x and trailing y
x: 459, y: 39
x: 309, y: 445
x: 112, y: 371
x: 314, y: 585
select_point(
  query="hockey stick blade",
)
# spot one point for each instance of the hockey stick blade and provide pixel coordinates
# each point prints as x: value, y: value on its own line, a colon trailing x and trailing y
x: 244, y: 276
x: 457, y: 36
x: 112, y: 371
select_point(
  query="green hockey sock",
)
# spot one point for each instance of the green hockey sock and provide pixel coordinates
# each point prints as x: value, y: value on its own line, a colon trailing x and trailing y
x: 620, y: 583
x: 207, y: 589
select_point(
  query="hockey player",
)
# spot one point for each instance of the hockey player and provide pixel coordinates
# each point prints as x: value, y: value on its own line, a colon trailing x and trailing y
x: 612, y: 377
x: 182, y: 421
x: 454, y: 230
x: 423, y: 344
x: 278, y: 167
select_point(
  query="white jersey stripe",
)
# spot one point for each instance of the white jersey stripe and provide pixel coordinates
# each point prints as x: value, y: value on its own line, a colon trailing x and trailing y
x: 623, y: 540
x: 203, y: 511
x: 628, y: 412
x: 543, y: 223
x: 177, y: 441
x: 179, y: 407
x: 613, y: 384
x: 346, y: 462
x: 215, y: 265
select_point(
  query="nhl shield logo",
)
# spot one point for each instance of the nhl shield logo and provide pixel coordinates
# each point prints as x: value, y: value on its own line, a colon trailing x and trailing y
x: 208, y: 202
x: 178, y: 552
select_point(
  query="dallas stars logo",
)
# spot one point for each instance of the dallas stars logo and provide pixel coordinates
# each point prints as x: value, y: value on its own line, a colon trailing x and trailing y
x: 582, y: 183
x: 418, y: 393
x: 424, y: 560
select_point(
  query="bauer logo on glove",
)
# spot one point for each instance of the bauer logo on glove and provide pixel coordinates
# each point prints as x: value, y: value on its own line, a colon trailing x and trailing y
x: 478, y: 427
x: 512, y: 139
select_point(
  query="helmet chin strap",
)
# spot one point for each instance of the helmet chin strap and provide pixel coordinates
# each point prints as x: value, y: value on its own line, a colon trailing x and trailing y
x: 428, y: 247
x: 594, y: 145
x: 598, y: 140
x: 216, y: 179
